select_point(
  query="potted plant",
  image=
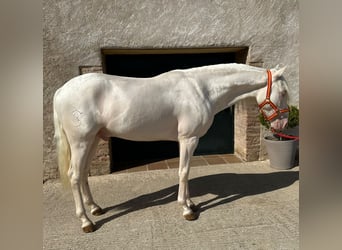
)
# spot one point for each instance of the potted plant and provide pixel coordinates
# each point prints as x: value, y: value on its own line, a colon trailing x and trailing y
x: 282, y: 147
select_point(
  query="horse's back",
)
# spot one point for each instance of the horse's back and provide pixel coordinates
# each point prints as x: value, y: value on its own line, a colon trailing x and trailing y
x: 147, y: 109
x: 131, y: 108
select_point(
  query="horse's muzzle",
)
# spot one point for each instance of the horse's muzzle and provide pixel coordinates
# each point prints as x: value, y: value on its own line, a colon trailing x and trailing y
x: 279, y: 124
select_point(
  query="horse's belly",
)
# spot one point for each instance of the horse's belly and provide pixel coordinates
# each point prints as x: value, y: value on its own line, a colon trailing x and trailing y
x: 148, y: 136
x: 163, y: 129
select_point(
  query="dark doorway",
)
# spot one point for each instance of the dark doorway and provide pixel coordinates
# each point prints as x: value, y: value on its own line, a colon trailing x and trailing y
x: 146, y: 63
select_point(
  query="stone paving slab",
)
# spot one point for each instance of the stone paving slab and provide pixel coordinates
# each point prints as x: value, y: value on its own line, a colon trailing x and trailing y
x: 242, y: 206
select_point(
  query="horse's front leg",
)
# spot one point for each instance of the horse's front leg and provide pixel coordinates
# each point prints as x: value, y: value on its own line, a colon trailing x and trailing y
x: 187, y: 147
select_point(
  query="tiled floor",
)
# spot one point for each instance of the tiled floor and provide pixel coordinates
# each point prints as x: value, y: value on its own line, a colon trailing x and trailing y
x: 203, y: 160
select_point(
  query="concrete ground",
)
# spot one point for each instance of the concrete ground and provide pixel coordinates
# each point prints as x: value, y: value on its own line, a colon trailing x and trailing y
x: 242, y: 206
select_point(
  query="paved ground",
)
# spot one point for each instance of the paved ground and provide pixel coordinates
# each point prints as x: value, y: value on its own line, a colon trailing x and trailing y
x: 242, y: 206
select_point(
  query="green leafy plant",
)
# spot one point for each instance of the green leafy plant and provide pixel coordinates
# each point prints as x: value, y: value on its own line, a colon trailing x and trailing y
x: 293, y: 119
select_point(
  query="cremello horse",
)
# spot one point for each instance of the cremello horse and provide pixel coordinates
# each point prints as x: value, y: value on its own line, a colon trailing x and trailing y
x: 178, y: 106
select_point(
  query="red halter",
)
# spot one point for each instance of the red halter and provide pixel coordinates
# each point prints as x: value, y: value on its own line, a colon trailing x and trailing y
x: 276, y: 111
x: 268, y: 101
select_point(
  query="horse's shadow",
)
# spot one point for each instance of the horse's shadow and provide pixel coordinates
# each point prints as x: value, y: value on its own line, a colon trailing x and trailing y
x: 226, y: 187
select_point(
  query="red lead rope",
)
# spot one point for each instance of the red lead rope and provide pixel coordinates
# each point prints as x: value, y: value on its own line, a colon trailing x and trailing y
x: 285, y: 135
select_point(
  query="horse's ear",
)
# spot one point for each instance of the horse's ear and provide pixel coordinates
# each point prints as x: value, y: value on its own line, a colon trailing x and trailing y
x: 278, y: 72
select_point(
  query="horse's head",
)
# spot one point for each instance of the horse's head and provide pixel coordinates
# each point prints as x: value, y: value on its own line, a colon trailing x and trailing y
x: 272, y: 99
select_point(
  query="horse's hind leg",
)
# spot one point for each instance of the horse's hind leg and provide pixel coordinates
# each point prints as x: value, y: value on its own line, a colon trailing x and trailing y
x: 79, y: 157
x: 186, y: 150
x: 87, y: 196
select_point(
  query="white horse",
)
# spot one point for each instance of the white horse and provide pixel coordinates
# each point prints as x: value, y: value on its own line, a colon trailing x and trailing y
x: 178, y: 106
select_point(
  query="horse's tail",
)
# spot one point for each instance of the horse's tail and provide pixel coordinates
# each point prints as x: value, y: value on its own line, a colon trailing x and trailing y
x: 62, y: 146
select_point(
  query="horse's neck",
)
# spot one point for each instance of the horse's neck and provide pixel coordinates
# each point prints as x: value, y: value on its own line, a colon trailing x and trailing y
x: 226, y: 88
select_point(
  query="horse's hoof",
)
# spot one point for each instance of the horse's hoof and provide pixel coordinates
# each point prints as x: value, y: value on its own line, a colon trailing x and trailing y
x: 97, y: 211
x: 190, y: 216
x: 194, y: 208
x: 88, y: 229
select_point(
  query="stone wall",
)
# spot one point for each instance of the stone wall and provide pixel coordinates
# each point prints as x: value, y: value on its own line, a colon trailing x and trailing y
x: 247, y: 137
x: 75, y: 31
